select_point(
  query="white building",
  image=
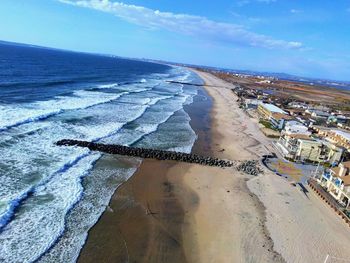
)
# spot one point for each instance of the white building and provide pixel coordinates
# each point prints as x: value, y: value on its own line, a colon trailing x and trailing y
x: 251, y: 103
x: 295, y: 127
x: 337, y: 182
x: 295, y: 143
x: 298, y: 105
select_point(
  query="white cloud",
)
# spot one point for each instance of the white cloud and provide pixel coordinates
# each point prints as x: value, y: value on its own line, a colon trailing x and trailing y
x: 295, y: 11
x: 245, y: 2
x: 247, y: 20
x: 196, y: 26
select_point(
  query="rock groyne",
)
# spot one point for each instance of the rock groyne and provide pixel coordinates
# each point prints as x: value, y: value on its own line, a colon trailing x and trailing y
x: 147, y: 153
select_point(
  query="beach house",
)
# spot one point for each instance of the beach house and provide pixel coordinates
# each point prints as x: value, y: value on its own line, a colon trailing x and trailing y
x: 278, y: 120
x: 265, y: 110
x: 275, y: 115
x: 337, y: 182
x: 296, y: 143
x: 251, y: 104
x: 290, y: 136
x: 336, y: 136
x: 304, y: 148
x: 320, y: 114
x: 308, y: 149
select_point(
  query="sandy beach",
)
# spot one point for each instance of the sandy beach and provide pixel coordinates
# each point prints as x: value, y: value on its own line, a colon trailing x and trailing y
x: 175, y: 212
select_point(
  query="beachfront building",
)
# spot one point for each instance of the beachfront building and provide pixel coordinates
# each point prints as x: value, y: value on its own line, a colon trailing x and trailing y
x: 295, y: 127
x: 288, y: 141
x: 332, y: 153
x: 338, y: 137
x: 295, y: 143
x: 265, y: 110
x: 289, y: 144
x: 275, y: 115
x: 296, y: 112
x: 278, y: 120
x: 304, y: 148
x: 251, y: 104
x: 337, y: 182
x: 308, y: 149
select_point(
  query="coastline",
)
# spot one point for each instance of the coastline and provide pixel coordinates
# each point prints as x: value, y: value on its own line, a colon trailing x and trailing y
x: 293, y: 226
x: 144, y: 219
x: 175, y: 212
x: 230, y: 220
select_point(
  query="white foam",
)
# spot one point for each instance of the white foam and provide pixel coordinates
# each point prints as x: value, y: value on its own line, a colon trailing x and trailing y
x: 91, y: 206
x: 13, y: 115
x: 108, y: 86
x: 40, y: 145
x: 45, y: 215
x: 42, y: 216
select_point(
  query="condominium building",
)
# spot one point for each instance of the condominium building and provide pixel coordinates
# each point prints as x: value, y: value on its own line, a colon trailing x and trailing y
x: 276, y: 116
x: 295, y: 143
x: 339, y: 137
x: 265, y: 110
x: 337, y: 182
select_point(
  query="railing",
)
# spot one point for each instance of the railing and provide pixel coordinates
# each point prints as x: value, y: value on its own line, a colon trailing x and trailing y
x: 324, y: 195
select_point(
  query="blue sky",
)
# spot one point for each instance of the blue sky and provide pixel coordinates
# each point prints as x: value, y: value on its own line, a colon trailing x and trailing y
x: 307, y: 38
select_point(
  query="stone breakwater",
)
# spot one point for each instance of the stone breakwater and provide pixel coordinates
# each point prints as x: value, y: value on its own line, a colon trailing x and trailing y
x: 148, y: 153
x: 250, y: 167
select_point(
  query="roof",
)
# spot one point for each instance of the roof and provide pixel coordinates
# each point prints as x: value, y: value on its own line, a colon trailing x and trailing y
x: 333, y: 145
x: 295, y: 110
x: 344, y: 178
x: 272, y: 108
x: 310, y: 140
x: 280, y: 116
x: 252, y: 101
x: 346, y: 135
x: 302, y: 137
x: 346, y: 164
x: 293, y: 124
x: 320, y: 113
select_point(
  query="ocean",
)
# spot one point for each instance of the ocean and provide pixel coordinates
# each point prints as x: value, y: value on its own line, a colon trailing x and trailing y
x: 51, y: 196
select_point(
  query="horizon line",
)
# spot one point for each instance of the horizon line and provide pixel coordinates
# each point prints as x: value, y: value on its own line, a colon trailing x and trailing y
x: 160, y: 61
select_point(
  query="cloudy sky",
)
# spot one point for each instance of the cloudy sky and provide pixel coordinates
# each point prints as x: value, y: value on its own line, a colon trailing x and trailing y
x: 308, y: 38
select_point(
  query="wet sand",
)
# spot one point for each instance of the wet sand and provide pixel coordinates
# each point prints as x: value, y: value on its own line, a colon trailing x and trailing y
x: 146, y: 216
x: 143, y: 222
x: 296, y: 227
x: 176, y: 212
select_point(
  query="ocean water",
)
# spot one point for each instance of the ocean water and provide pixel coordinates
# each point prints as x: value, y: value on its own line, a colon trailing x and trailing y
x: 51, y: 196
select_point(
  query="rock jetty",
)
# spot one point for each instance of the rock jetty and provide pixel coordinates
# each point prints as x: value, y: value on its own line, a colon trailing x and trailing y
x: 147, y: 153
x: 250, y: 167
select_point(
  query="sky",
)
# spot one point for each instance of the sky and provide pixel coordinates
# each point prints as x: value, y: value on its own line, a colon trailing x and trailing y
x: 306, y: 38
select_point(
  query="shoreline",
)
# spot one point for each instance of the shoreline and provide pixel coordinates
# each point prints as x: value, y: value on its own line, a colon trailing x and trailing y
x: 253, y: 243
x: 131, y: 206
x: 179, y: 212
x: 299, y: 227
x: 170, y: 205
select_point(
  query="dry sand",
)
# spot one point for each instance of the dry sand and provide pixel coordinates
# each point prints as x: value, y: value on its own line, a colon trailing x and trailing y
x: 175, y: 212
x: 229, y: 219
x: 302, y: 227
